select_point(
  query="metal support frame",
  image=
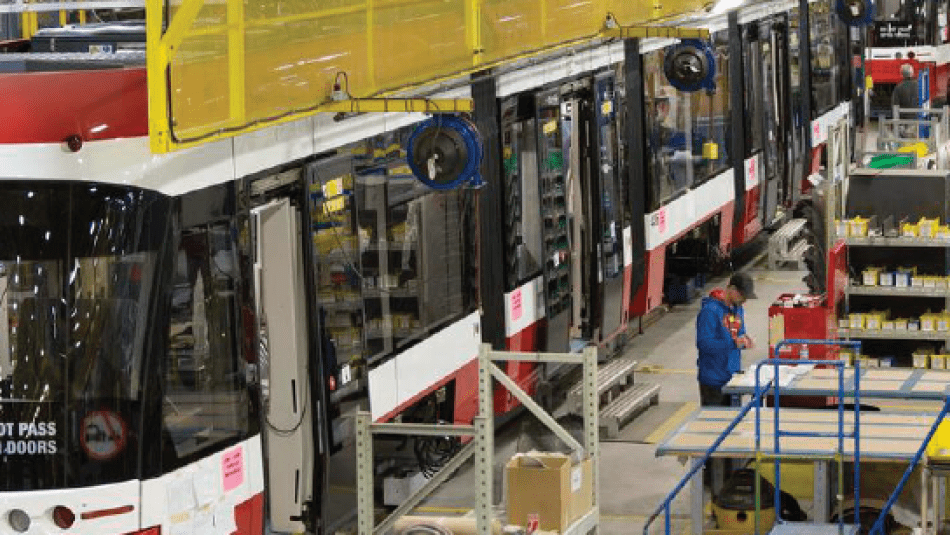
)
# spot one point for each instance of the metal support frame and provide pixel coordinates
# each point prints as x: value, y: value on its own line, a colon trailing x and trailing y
x: 821, y: 497
x: 482, y: 446
x: 697, y: 496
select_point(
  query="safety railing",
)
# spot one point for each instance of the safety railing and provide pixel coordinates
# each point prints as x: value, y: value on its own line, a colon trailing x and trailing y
x: 840, y: 435
x: 664, y: 507
x: 878, y: 527
x: 218, y: 68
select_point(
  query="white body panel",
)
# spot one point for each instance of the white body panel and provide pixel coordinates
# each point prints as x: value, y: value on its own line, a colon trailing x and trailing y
x: 423, y: 365
x: 753, y: 171
x: 129, y: 161
x: 821, y: 125
x: 40, y: 503
x: 196, y: 490
x: 627, y: 246
x: 184, y: 500
x: 524, y: 306
x: 683, y: 212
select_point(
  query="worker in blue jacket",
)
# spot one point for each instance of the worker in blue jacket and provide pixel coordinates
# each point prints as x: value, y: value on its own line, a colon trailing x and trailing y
x: 720, y: 338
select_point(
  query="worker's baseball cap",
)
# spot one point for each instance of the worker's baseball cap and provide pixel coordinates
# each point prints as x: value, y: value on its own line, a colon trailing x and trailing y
x: 743, y: 283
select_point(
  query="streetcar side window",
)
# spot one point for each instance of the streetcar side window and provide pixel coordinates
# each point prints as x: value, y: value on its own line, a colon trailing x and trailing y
x: 206, y: 398
x: 824, y: 63
x: 710, y: 128
x: 669, y: 147
x: 394, y: 258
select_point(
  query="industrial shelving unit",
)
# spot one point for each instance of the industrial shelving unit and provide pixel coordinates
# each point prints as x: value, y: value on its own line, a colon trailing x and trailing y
x: 482, y: 444
x: 887, y: 193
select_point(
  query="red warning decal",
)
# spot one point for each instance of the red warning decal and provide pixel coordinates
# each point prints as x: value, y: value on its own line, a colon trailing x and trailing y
x: 104, y: 435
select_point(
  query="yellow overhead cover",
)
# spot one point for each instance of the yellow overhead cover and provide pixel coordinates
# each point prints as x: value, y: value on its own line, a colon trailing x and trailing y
x: 222, y: 67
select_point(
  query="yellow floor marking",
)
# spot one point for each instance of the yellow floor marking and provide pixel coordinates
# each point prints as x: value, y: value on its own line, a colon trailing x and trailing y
x: 672, y: 422
x: 650, y: 368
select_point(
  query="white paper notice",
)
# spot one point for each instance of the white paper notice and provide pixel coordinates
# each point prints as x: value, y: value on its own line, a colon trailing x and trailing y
x: 183, y: 528
x: 204, y: 521
x: 206, y: 486
x: 224, y: 519
x: 577, y: 477
x: 181, y: 495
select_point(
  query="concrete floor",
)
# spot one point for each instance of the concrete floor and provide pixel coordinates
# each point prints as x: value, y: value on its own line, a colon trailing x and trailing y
x: 632, y: 480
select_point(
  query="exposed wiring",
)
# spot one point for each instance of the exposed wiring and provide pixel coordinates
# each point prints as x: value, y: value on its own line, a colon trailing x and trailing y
x: 435, y: 452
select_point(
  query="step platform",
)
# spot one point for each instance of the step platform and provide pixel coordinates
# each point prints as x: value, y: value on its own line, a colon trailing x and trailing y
x: 619, y: 398
x: 812, y: 528
x: 618, y: 373
x: 786, y: 246
x: 627, y: 406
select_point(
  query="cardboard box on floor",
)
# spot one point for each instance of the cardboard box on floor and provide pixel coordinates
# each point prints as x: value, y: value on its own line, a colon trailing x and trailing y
x: 550, y: 486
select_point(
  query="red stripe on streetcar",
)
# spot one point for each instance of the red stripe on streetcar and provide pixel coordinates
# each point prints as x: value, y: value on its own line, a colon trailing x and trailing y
x: 92, y: 515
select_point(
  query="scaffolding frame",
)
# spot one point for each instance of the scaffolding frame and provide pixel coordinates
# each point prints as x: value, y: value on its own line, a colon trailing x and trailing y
x: 482, y: 445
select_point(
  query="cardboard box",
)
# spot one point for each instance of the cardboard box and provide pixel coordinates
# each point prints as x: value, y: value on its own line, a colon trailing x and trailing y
x: 550, y: 486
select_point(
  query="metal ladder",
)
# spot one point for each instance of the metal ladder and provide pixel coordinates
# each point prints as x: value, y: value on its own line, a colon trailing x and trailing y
x: 808, y: 528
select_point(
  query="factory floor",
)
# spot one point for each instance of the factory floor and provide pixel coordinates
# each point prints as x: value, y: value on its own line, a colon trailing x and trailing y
x: 633, y: 481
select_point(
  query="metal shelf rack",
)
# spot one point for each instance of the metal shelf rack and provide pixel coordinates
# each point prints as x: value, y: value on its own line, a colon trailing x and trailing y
x: 899, y: 291
x: 881, y: 241
x: 894, y: 334
x: 482, y: 445
x: 872, y: 192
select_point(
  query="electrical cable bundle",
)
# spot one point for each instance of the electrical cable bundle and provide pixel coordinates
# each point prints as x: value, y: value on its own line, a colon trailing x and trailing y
x: 434, y: 452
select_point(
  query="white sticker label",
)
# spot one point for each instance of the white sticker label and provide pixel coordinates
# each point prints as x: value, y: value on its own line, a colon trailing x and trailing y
x: 577, y: 476
x: 345, y: 374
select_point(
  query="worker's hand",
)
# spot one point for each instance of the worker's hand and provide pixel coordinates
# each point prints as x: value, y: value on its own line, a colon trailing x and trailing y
x: 746, y: 342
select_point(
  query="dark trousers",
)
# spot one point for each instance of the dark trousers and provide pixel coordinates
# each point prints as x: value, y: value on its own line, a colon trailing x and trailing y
x: 712, y: 396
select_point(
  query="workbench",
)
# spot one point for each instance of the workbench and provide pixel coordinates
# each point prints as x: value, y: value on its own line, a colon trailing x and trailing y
x: 902, y: 383
x: 884, y: 437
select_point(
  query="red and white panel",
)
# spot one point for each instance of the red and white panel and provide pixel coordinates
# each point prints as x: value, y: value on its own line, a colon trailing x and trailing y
x: 924, y: 54
x: 524, y: 306
x: 406, y: 377
x: 684, y: 212
x: 218, y: 495
x: 100, y: 510
x: 821, y: 125
x: 35, y: 121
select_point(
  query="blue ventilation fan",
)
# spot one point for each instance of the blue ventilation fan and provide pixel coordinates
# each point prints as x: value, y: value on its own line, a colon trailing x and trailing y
x: 690, y: 65
x: 855, y: 12
x: 445, y: 152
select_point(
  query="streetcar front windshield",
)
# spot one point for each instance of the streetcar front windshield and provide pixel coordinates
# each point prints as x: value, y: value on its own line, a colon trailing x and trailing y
x: 77, y: 282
